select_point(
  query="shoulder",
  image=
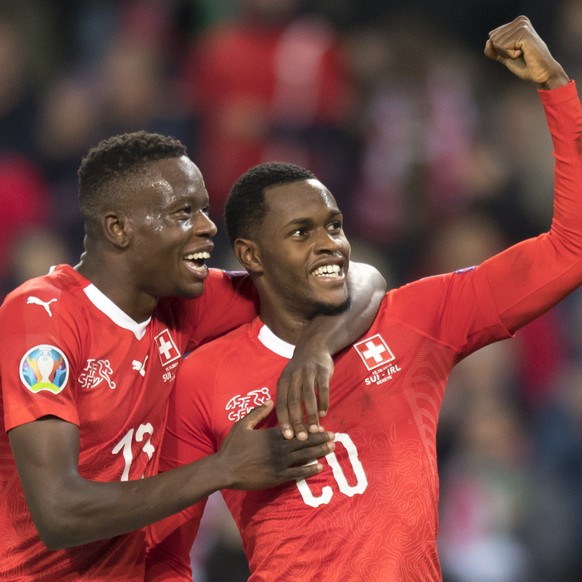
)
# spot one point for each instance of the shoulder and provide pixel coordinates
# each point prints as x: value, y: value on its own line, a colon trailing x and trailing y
x: 228, y: 346
x: 55, y: 293
x: 238, y: 281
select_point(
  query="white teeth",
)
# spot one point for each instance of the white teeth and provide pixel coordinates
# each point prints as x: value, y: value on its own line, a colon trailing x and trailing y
x: 201, y: 256
x: 326, y: 270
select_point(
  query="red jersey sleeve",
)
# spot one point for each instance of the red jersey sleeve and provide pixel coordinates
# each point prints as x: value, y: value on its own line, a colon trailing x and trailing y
x: 39, y: 356
x: 228, y: 301
x: 476, y: 306
x: 529, y: 278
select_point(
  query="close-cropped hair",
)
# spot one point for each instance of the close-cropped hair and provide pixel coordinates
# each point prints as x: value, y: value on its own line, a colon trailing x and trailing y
x: 118, y: 160
x: 246, y: 207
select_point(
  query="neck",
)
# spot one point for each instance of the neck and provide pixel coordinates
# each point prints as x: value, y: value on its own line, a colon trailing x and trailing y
x: 115, y: 281
x: 286, y: 326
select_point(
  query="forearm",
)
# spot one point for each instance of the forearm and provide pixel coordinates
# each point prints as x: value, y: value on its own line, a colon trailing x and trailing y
x: 69, y: 510
x: 367, y: 288
x: 90, y: 510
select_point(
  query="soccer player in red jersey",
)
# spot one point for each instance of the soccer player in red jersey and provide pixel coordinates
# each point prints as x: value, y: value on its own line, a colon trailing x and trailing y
x: 88, y: 357
x: 372, y: 514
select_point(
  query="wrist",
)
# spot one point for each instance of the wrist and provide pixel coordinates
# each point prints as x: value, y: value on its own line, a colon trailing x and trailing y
x: 556, y: 78
x: 314, y: 342
x: 217, y: 472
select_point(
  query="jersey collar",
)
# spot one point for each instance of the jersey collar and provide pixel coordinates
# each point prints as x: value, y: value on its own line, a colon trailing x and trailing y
x: 119, y: 317
x: 275, y: 344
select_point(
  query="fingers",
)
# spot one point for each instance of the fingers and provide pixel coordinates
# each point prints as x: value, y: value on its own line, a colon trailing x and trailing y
x: 307, y: 395
x: 520, y: 49
x: 299, y: 473
x: 314, y: 447
x: 290, y: 405
x: 282, y: 410
x: 297, y: 406
x: 303, y: 396
x: 256, y: 415
x: 506, y: 42
x: 322, y: 381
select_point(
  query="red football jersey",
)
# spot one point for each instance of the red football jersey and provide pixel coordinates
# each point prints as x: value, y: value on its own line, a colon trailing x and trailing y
x: 68, y: 351
x: 372, y: 514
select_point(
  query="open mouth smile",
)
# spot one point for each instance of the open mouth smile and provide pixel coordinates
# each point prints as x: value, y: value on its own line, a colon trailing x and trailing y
x: 327, y: 271
x: 196, y: 262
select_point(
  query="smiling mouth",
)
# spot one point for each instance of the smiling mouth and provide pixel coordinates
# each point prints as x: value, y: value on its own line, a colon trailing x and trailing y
x: 197, y: 261
x: 327, y: 271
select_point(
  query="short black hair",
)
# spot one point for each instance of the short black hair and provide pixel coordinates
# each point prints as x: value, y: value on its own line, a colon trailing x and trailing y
x: 114, y: 162
x: 246, y: 206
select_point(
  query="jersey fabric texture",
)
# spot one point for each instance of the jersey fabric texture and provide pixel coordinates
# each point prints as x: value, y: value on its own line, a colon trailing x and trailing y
x: 372, y: 514
x: 69, y: 352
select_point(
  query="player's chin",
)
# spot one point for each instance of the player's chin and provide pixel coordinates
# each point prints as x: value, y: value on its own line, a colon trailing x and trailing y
x: 191, y: 290
x: 333, y: 306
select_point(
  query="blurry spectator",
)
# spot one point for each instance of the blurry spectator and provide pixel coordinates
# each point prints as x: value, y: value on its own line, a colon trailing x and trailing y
x: 24, y: 203
x: 419, y: 126
x: 136, y: 90
x: 33, y: 252
x: 556, y: 517
x: 269, y: 86
x: 18, y: 102
x: 68, y: 126
x: 485, y: 498
x: 217, y: 556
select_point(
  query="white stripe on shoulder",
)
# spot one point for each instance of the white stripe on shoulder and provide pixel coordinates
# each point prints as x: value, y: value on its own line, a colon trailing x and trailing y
x: 114, y: 313
x: 275, y: 344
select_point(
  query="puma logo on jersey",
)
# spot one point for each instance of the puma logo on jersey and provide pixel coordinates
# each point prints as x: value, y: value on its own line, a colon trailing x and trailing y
x: 32, y: 300
x: 139, y: 366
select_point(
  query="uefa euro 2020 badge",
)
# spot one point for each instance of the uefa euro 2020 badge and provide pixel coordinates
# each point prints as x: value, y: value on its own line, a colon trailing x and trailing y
x: 44, y: 367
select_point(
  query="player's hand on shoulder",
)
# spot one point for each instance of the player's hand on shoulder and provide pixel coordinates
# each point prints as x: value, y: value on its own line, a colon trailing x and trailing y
x: 518, y: 46
x: 303, y: 390
x: 255, y: 458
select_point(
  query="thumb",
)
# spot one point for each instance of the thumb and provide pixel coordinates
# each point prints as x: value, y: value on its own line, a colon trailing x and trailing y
x: 257, y: 414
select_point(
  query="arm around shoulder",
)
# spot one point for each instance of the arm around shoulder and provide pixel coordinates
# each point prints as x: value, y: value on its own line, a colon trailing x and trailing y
x: 311, y: 367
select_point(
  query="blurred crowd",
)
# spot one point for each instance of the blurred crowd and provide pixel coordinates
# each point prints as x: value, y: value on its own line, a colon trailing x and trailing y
x: 438, y: 157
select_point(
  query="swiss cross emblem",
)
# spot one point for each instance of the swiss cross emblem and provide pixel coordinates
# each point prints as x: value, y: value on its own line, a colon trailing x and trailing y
x: 167, y: 348
x: 374, y: 351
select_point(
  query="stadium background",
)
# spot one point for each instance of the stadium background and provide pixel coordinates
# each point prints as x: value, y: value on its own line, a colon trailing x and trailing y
x: 437, y: 156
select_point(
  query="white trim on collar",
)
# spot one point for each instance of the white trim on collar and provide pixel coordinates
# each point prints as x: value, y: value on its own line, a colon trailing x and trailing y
x: 114, y: 313
x: 275, y: 344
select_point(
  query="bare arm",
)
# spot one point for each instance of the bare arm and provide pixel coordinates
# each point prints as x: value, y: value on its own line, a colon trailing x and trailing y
x: 304, y: 382
x: 69, y: 510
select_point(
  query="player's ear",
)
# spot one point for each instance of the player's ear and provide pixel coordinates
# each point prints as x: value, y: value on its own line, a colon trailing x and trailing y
x: 248, y: 255
x: 117, y: 229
